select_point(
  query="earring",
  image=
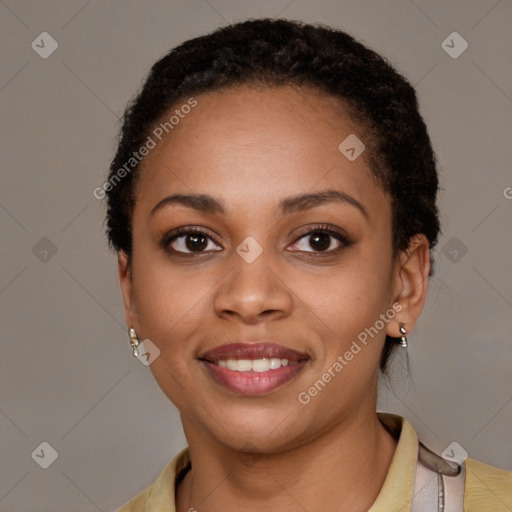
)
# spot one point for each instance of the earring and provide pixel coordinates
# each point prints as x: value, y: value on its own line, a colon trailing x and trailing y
x: 403, y: 338
x: 134, y: 341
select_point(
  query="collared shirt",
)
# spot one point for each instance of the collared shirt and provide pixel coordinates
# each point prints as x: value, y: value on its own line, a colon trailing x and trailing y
x: 487, y: 488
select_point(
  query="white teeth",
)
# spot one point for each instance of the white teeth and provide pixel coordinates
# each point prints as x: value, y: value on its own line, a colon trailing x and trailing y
x: 261, y: 365
x: 257, y: 365
x: 244, y: 365
x: 275, y: 363
x: 232, y: 364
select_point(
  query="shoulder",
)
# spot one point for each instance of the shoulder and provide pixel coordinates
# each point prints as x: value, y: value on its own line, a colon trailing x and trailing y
x: 160, y: 495
x: 487, y: 488
x: 138, y: 503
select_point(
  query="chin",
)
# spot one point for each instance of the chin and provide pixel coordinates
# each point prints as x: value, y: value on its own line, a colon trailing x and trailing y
x: 257, y: 428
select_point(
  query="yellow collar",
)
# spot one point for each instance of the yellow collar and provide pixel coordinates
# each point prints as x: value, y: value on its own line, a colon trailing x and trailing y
x: 396, y: 493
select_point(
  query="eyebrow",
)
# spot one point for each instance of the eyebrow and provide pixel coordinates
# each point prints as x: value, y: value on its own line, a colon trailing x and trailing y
x: 208, y: 204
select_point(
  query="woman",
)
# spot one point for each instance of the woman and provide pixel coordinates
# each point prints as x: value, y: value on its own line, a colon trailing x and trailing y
x: 273, y: 206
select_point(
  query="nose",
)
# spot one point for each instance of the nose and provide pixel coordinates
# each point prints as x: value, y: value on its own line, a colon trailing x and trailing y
x: 253, y: 292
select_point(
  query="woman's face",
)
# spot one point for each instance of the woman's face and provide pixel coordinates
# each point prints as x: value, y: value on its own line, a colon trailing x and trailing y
x: 271, y: 262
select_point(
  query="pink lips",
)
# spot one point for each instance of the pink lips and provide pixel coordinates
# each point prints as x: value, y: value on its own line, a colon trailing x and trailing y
x: 251, y: 383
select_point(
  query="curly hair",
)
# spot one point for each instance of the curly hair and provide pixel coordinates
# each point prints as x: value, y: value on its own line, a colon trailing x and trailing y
x: 281, y: 52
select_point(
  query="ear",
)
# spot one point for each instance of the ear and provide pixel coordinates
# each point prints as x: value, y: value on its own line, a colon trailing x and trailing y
x: 410, y: 281
x: 125, y: 280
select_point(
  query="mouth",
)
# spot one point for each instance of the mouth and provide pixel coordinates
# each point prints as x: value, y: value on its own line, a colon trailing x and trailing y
x: 253, y: 369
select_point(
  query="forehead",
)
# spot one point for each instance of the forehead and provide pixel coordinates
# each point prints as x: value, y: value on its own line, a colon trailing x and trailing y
x: 240, y: 142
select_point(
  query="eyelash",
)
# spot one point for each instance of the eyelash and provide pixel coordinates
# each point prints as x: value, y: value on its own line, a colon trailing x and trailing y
x: 321, y: 228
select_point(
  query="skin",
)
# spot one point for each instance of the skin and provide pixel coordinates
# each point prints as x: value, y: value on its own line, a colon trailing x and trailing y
x: 250, y: 148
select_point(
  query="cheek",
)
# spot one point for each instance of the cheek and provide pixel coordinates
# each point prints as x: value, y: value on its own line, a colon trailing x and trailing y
x: 351, y: 296
x: 171, y: 311
x: 348, y: 302
x: 170, y: 302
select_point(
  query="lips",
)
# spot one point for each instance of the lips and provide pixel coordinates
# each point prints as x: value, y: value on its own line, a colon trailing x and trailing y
x: 252, y: 351
x: 253, y: 369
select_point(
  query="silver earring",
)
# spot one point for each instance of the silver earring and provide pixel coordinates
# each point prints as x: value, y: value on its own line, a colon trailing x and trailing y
x: 403, y: 338
x: 134, y: 341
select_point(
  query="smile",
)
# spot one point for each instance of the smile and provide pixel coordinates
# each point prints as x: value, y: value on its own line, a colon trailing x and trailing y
x: 255, y: 365
x: 253, y: 369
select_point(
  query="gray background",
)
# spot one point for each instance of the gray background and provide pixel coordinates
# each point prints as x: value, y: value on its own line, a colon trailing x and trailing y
x: 67, y: 374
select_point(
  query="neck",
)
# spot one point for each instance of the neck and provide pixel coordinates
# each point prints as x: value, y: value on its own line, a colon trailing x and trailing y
x: 341, y: 470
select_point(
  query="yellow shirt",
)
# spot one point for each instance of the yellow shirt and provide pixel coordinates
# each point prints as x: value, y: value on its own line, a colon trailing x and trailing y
x: 487, y: 489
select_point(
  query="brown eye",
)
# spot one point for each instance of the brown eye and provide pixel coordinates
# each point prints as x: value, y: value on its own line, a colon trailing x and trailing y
x: 196, y: 242
x: 190, y: 241
x: 320, y: 241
